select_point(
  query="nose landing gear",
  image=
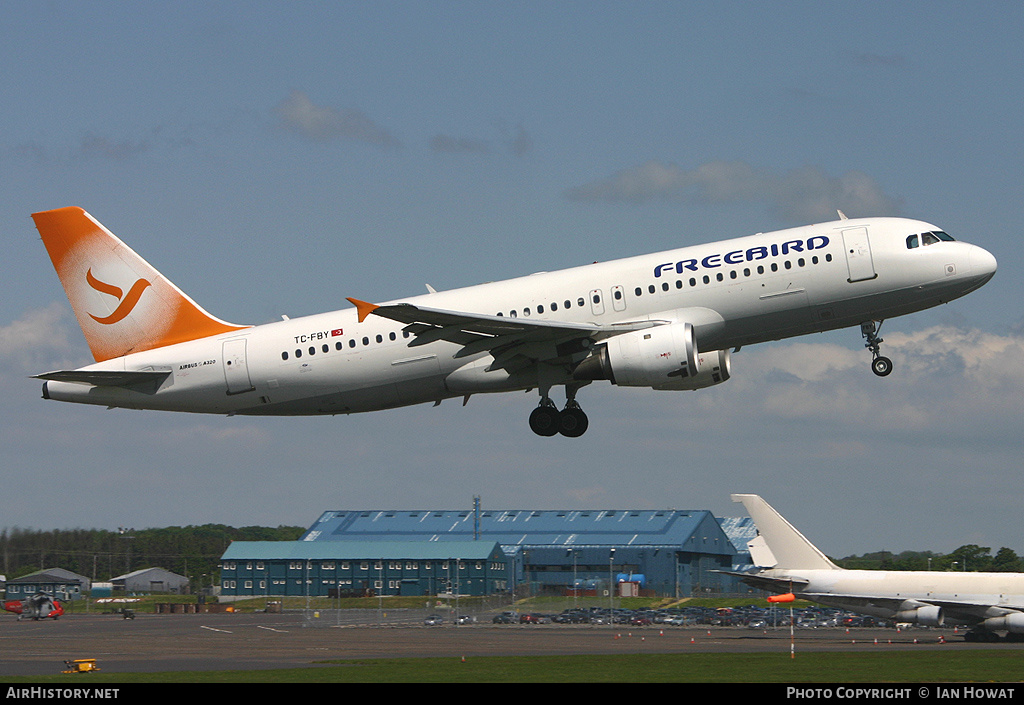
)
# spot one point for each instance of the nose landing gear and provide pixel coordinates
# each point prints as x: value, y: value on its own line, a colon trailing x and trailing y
x: 880, y: 364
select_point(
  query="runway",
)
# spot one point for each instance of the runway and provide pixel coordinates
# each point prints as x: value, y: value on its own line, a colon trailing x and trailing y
x: 193, y: 642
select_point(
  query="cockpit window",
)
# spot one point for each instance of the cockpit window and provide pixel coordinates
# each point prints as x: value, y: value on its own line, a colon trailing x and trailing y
x: 928, y: 239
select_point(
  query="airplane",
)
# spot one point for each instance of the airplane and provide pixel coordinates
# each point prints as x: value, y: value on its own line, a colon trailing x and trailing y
x: 666, y: 321
x: 35, y: 607
x: 989, y: 603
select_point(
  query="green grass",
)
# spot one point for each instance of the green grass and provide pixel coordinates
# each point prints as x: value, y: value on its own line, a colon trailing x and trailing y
x: 931, y: 666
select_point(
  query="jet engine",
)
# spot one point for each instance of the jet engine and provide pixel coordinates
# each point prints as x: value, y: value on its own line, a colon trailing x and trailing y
x: 663, y: 357
x: 1012, y: 622
x: 917, y: 613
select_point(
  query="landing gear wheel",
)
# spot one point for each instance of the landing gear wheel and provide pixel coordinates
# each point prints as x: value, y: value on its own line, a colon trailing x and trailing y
x: 544, y: 421
x: 881, y: 366
x: 572, y: 422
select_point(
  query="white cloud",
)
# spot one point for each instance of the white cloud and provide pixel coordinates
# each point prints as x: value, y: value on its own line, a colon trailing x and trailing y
x: 957, y: 379
x: 301, y: 115
x: 801, y: 195
x: 39, y: 335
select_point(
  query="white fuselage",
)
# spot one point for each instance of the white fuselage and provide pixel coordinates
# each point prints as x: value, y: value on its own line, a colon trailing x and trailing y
x: 736, y: 292
x: 964, y: 597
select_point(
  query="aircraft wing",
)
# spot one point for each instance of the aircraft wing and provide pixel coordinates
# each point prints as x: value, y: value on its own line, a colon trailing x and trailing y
x: 955, y: 611
x: 763, y: 582
x: 106, y: 378
x: 505, y: 338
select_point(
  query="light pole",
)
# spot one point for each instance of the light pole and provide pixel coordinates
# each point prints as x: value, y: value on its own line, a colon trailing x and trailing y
x: 611, y: 588
x: 575, y: 594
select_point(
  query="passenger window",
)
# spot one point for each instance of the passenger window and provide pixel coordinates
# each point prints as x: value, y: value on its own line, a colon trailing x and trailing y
x: 638, y: 291
x: 582, y: 302
x: 325, y: 348
x: 540, y: 308
x: 312, y: 350
x: 284, y: 355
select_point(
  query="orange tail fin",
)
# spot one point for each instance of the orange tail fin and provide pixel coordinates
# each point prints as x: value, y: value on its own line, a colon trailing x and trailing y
x: 122, y: 304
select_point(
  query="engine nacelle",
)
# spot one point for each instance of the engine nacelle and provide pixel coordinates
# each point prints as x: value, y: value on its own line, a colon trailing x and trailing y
x: 1012, y: 622
x: 662, y: 357
x: 925, y: 615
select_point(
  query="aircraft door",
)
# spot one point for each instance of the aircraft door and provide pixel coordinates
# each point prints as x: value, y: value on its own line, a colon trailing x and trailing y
x: 618, y: 298
x: 858, y: 255
x: 236, y: 369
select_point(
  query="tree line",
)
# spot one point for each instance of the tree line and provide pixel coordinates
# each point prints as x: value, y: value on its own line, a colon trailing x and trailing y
x: 195, y: 551
x: 100, y: 554
x: 970, y: 557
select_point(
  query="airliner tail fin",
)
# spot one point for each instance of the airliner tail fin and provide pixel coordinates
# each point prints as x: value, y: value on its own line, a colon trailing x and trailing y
x: 122, y: 304
x: 789, y: 547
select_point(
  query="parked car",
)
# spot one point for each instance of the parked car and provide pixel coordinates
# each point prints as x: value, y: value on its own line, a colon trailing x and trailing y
x: 465, y: 619
x: 433, y: 620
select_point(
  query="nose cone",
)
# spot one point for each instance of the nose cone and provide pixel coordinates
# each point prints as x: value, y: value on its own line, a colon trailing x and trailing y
x: 983, y: 264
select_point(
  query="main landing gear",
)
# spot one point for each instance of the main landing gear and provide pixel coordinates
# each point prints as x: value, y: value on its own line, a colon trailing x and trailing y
x: 880, y: 365
x: 547, y: 420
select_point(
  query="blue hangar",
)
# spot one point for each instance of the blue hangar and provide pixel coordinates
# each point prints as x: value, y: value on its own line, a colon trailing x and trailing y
x: 673, y: 553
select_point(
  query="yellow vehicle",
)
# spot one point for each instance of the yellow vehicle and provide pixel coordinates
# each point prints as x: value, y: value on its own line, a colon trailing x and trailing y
x: 82, y: 665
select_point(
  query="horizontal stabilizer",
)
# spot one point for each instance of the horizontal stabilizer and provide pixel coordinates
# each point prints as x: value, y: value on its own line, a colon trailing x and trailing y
x: 106, y: 378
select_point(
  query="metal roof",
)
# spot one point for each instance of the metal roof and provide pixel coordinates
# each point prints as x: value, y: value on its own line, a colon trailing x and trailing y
x: 356, y: 550
x: 515, y: 527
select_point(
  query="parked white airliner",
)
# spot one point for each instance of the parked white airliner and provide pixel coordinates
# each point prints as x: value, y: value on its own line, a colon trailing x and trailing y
x: 989, y: 602
x: 666, y: 321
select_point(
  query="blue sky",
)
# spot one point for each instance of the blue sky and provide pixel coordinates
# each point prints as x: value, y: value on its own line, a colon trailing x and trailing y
x: 273, y: 158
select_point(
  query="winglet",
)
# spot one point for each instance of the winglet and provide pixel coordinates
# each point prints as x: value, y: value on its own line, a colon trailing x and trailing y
x: 363, y: 308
